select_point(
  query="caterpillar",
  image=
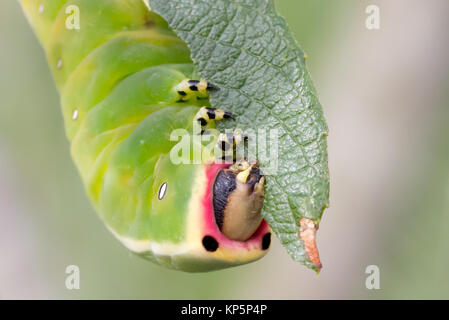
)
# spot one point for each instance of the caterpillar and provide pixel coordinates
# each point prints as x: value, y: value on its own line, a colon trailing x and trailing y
x: 126, y: 82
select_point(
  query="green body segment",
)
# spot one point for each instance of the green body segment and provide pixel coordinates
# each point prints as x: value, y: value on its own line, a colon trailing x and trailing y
x: 116, y: 75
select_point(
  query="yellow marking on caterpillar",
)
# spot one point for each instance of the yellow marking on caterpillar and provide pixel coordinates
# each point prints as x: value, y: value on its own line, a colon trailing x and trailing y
x: 188, y: 88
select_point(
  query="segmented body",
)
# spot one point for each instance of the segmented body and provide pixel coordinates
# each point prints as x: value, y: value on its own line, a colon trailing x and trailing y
x: 118, y: 75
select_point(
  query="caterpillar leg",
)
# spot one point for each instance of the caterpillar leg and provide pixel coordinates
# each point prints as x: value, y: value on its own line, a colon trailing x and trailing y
x: 249, y: 174
x: 189, y: 88
x: 227, y: 143
x: 228, y: 140
x: 205, y: 115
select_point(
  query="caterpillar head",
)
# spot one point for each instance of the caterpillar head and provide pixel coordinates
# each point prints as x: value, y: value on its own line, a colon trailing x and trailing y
x: 229, y: 224
x: 238, y: 195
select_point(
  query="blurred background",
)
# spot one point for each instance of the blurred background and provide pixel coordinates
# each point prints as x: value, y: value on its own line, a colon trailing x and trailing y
x: 385, y: 95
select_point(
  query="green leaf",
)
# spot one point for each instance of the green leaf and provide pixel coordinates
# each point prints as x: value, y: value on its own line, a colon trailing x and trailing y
x: 246, y: 48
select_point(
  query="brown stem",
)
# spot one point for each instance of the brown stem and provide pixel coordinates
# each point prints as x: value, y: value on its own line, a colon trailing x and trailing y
x: 307, y: 233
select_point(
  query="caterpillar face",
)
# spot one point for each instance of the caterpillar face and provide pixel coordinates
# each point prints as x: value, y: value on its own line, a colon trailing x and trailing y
x: 231, y: 230
x: 238, y: 200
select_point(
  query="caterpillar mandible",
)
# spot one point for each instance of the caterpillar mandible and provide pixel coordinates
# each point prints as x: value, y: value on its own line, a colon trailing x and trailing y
x: 126, y: 81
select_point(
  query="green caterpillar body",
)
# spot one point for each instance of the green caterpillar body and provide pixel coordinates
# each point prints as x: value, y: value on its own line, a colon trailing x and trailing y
x: 117, y: 75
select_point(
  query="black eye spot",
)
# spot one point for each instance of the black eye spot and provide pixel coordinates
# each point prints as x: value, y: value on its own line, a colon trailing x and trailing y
x: 266, y: 241
x: 210, y: 244
x: 162, y: 191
